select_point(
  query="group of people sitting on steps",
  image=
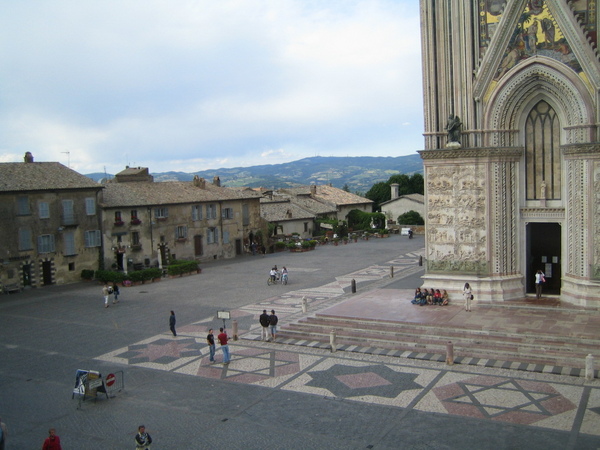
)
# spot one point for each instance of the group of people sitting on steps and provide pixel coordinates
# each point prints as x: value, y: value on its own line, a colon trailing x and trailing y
x: 430, y: 297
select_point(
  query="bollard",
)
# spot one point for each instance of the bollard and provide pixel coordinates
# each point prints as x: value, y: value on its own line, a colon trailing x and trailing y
x: 421, y: 260
x: 450, y: 353
x: 332, y: 340
x: 391, y: 271
x: 304, y: 304
x: 235, y: 330
x: 589, y: 367
x: 353, y: 284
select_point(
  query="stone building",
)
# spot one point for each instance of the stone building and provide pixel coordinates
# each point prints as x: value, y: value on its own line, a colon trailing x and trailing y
x: 147, y: 223
x: 49, y: 223
x: 512, y: 151
x: 288, y: 217
x: 327, y: 201
x: 401, y: 204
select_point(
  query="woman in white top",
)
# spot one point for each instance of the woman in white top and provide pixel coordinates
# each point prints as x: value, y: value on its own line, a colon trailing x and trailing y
x: 539, y: 279
x: 468, y: 297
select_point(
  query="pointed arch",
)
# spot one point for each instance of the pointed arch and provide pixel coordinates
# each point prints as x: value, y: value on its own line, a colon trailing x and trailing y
x: 539, y: 78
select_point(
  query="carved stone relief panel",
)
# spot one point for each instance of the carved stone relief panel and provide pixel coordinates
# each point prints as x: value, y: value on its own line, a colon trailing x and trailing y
x: 596, y: 221
x: 504, y: 218
x: 456, y: 218
x: 576, y: 218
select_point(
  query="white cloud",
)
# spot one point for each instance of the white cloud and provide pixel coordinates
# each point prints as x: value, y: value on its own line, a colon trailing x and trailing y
x: 205, y: 84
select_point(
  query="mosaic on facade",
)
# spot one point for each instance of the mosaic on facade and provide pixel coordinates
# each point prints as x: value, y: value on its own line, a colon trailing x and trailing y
x: 537, y: 33
x: 457, y: 225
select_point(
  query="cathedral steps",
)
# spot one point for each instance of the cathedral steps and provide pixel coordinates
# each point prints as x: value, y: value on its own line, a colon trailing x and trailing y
x: 468, y: 341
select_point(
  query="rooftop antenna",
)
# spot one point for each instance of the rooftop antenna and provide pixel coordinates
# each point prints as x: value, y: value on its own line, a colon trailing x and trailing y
x: 68, y: 159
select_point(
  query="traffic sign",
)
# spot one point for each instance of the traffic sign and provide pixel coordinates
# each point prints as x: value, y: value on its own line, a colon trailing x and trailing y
x: 110, y: 379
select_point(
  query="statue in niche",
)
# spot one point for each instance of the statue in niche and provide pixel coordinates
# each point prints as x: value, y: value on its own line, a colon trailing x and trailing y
x: 543, y: 190
x: 453, y: 128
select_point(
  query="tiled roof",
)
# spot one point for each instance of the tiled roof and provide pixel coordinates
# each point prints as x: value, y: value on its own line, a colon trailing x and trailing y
x: 280, y: 211
x: 330, y: 194
x: 39, y: 176
x: 418, y: 198
x: 168, y: 193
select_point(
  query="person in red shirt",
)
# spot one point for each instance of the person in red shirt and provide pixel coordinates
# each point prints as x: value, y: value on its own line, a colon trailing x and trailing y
x: 222, y: 337
x: 52, y: 442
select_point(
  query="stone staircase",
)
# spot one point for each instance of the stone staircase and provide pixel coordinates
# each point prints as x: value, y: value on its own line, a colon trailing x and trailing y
x: 475, y: 342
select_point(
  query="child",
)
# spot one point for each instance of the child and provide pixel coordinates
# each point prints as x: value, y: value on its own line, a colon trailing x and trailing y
x: 445, y: 299
x: 437, y: 298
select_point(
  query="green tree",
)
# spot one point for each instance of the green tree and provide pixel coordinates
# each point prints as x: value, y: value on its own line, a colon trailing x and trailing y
x: 346, y: 188
x: 381, y: 192
x: 410, y: 218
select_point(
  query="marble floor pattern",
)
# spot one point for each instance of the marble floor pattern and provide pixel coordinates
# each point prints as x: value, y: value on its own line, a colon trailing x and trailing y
x: 541, y: 400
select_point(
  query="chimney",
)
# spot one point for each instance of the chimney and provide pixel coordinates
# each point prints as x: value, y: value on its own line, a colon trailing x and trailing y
x: 394, y: 187
x: 28, y: 157
x: 313, y: 189
x: 289, y: 214
x: 217, y: 181
x: 199, y: 182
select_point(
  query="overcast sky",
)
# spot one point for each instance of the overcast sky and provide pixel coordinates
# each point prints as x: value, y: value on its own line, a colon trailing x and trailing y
x: 190, y: 85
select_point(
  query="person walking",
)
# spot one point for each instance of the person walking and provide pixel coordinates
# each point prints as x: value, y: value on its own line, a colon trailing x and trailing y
x: 3, y: 434
x: 116, y: 292
x: 273, y: 320
x: 468, y: 297
x: 210, y: 339
x: 172, y: 321
x: 222, y: 337
x: 142, y: 439
x: 539, y: 280
x: 105, y: 294
x: 52, y: 442
x: 264, y: 323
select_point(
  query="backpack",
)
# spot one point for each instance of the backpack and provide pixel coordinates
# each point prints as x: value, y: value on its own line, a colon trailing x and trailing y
x: 273, y: 319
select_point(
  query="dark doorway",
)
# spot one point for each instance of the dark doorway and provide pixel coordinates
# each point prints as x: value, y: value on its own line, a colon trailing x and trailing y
x: 198, y: 250
x: 238, y: 247
x: 119, y: 261
x: 47, y: 272
x: 543, y: 253
x: 26, y: 271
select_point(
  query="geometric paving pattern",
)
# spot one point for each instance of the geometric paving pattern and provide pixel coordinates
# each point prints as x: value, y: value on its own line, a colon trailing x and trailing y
x: 378, y: 380
x: 503, y: 399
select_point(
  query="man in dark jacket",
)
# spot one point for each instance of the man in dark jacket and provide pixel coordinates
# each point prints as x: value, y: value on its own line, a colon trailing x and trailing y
x: 273, y: 324
x: 172, y: 321
x: 264, y: 323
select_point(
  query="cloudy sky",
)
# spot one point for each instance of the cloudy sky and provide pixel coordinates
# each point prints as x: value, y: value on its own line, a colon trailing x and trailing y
x: 197, y: 84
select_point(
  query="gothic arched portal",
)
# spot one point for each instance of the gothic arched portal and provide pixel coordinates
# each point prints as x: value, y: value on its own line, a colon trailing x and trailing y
x: 542, y: 153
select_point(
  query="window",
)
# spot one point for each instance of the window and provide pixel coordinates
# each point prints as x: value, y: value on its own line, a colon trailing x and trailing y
x: 44, y: 210
x: 227, y: 213
x: 225, y: 237
x: 68, y: 212
x: 134, y: 217
x: 305, y: 227
x: 181, y: 232
x: 135, y: 238
x: 212, y: 236
x: 161, y: 213
x: 46, y: 243
x: 92, y: 238
x: 23, y: 206
x: 118, y: 219
x: 196, y: 212
x: 90, y: 206
x: 25, y: 242
x: 245, y: 215
x: 211, y: 211
x: 69, y: 242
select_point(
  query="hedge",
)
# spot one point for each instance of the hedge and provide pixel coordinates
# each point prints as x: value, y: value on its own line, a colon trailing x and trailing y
x: 181, y: 267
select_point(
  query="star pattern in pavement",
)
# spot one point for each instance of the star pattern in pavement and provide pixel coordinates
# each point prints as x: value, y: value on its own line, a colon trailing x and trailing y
x: 507, y: 400
x: 162, y: 351
x: 352, y: 381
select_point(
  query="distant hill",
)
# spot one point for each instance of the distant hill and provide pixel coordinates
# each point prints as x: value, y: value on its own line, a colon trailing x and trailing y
x: 358, y: 172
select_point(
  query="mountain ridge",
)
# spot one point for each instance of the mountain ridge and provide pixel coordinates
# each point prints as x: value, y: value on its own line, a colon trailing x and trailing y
x: 359, y: 173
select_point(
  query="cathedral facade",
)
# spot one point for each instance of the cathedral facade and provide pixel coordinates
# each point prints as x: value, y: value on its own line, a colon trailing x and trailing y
x: 512, y: 147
